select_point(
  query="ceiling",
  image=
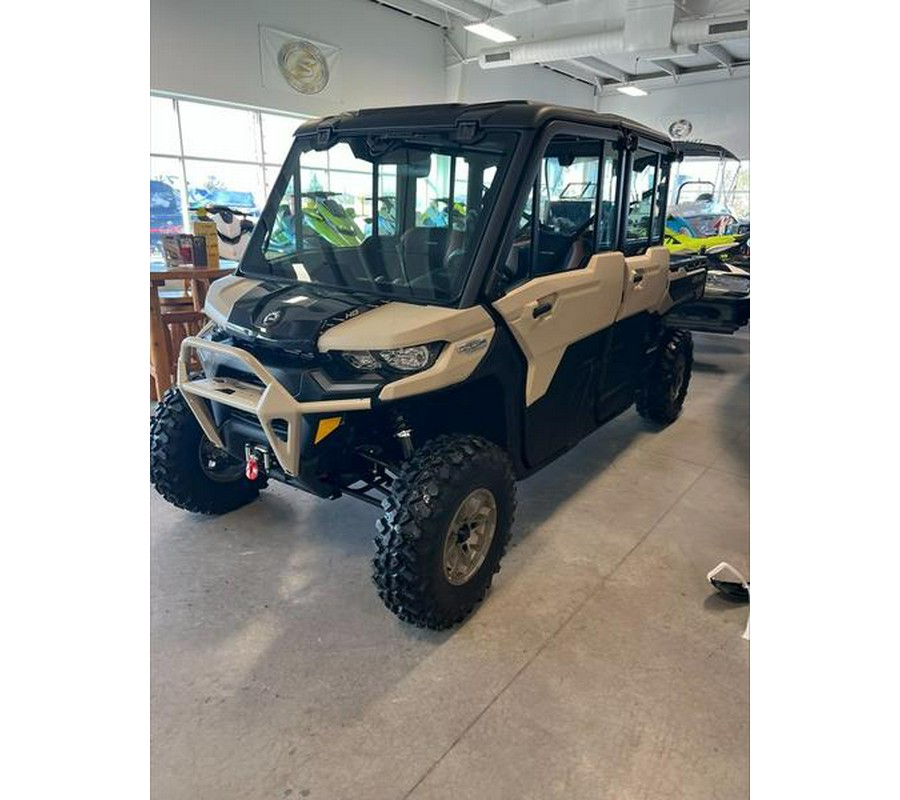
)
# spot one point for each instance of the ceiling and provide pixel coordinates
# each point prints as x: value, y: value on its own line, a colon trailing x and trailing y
x: 636, y: 40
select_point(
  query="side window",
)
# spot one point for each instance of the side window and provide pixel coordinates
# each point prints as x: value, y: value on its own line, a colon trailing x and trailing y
x: 558, y: 228
x: 570, y: 172
x: 517, y: 267
x: 641, y: 196
x: 659, y: 212
x: 608, y: 206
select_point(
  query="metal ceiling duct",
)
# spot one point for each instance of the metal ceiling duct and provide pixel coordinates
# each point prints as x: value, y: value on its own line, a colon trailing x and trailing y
x: 610, y: 42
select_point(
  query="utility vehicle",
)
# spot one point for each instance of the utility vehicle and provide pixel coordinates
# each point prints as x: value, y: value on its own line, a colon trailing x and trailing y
x: 426, y: 368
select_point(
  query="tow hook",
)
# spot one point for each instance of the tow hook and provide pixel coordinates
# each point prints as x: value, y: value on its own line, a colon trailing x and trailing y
x: 253, y: 455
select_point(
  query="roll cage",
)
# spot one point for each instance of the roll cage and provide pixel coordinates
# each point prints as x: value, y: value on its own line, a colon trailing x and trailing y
x: 536, y: 125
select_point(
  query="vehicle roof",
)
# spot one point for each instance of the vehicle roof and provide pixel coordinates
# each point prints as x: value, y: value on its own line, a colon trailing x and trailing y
x: 507, y: 114
x: 704, y: 150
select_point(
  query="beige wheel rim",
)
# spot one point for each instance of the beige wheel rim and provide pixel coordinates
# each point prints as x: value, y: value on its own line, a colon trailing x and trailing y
x: 469, y: 536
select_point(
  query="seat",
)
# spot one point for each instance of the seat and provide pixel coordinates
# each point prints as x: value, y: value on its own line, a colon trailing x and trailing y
x: 425, y: 252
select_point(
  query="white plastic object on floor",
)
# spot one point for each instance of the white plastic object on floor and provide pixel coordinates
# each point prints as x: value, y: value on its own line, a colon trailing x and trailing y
x: 730, y: 575
x: 723, y: 566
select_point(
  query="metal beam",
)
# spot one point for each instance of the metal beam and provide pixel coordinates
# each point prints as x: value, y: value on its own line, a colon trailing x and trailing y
x: 467, y: 10
x: 600, y: 67
x: 420, y: 10
x: 575, y: 69
x: 637, y: 80
x: 719, y: 53
x: 669, y: 66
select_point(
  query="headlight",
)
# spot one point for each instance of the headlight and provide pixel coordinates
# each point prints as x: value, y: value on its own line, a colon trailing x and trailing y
x: 363, y: 360
x: 407, y: 359
x: 401, y: 359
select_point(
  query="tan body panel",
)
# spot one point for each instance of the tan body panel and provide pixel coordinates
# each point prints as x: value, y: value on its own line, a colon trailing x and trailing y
x: 452, y: 366
x: 651, y: 292
x: 406, y: 325
x: 584, y: 301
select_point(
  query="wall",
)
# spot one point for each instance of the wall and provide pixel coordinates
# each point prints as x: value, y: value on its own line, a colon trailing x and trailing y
x: 468, y: 83
x: 210, y: 49
x: 719, y: 112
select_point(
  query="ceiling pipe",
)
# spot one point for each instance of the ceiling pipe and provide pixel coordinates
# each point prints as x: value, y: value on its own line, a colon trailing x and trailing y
x: 684, y: 33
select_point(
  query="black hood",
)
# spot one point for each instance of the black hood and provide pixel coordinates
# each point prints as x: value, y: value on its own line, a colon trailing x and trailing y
x: 294, y: 316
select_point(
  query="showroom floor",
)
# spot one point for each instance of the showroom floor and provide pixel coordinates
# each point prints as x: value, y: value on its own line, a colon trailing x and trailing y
x: 599, y: 666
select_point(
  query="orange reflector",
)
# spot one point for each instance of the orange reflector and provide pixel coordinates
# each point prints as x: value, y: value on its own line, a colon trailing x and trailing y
x: 326, y: 426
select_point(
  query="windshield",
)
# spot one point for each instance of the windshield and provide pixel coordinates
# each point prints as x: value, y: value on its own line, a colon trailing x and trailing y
x: 398, y: 217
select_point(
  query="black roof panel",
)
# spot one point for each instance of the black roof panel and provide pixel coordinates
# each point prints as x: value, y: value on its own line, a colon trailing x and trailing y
x: 704, y: 149
x: 506, y: 114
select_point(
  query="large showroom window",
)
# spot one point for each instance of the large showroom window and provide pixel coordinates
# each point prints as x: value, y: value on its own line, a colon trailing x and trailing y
x: 205, y: 154
x: 726, y: 181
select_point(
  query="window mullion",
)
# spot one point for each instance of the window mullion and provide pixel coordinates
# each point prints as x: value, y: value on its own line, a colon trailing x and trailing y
x: 185, y: 215
x: 262, y: 153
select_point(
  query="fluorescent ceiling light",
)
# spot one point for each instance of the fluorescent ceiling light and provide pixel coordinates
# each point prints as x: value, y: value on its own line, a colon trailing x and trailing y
x: 632, y: 91
x: 490, y: 32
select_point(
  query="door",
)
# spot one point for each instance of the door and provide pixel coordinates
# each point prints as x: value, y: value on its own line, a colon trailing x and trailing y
x: 563, y: 292
x: 580, y: 296
x: 646, y: 283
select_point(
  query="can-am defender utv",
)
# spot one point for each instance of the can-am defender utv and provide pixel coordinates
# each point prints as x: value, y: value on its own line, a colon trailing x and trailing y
x: 427, y: 368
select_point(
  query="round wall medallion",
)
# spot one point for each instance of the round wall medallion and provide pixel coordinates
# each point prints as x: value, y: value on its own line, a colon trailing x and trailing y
x: 680, y: 129
x: 303, y: 66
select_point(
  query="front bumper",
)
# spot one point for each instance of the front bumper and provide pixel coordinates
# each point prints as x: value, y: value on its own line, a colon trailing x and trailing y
x: 278, y: 413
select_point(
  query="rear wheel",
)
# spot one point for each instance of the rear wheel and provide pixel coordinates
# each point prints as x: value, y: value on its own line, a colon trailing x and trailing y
x: 445, y: 528
x: 662, y: 392
x: 187, y: 469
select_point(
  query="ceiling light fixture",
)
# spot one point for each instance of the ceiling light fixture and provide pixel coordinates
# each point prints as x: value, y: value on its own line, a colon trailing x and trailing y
x: 490, y: 32
x: 632, y: 91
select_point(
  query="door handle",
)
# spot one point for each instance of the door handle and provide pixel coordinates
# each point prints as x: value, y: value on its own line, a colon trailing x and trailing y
x: 637, y: 277
x: 542, y: 308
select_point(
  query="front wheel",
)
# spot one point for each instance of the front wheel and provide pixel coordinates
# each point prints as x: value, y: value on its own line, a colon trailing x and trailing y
x: 661, y: 394
x: 185, y: 467
x: 445, y: 528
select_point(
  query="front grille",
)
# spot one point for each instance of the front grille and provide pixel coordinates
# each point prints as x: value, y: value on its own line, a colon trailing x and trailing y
x: 239, y: 375
x: 280, y: 426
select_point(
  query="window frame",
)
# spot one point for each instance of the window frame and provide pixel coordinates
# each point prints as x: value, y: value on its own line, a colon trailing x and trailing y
x: 261, y: 164
x: 529, y: 179
x: 634, y: 142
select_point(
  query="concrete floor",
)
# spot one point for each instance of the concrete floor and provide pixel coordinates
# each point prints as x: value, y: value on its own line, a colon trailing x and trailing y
x: 599, y: 666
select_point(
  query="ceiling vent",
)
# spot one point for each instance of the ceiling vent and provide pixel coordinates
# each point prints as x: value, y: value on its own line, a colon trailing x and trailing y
x: 740, y: 26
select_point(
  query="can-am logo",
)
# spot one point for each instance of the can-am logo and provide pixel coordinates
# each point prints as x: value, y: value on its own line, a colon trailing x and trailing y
x: 273, y: 316
x: 472, y: 346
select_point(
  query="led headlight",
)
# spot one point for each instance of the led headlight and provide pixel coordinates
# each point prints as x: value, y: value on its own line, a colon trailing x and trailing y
x: 407, y: 359
x: 400, y: 359
x: 362, y: 360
